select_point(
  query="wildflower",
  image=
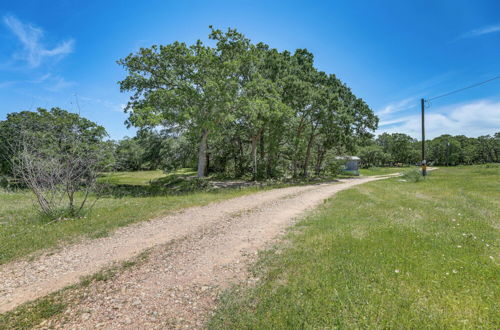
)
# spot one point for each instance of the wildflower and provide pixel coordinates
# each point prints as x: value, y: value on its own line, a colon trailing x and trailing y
x: 487, y: 245
x: 397, y: 271
x: 453, y: 220
x: 454, y: 271
x: 459, y: 246
x: 447, y: 273
x: 464, y: 234
x: 491, y: 257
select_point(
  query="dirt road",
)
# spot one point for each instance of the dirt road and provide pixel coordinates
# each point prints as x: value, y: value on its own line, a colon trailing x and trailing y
x: 194, y: 253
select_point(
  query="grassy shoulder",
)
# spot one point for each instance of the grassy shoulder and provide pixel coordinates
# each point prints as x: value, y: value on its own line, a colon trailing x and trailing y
x: 386, y: 254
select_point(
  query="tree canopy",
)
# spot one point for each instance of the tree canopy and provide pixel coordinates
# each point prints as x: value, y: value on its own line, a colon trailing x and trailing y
x: 55, y: 130
x: 249, y: 108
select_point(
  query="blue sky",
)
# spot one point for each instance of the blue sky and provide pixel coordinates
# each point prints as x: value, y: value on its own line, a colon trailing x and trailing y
x: 391, y: 53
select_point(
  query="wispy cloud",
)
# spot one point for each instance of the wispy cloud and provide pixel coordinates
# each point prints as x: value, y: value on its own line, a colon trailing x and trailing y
x: 50, y: 82
x: 34, y: 52
x: 115, y: 107
x: 5, y: 84
x: 476, y: 118
x: 57, y: 83
x: 481, y: 31
x: 397, y: 106
x: 41, y: 79
x: 394, y: 121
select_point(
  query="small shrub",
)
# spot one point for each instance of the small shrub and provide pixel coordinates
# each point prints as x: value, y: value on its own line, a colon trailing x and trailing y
x: 413, y: 175
x: 196, y: 184
x: 4, y: 182
x: 335, y: 166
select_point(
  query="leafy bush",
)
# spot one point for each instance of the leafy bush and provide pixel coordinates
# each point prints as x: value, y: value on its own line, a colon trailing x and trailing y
x: 4, y: 182
x: 334, y: 166
x: 195, y: 184
x: 413, y: 175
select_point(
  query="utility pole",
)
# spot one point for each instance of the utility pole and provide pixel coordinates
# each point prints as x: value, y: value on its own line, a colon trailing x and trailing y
x: 424, y: 165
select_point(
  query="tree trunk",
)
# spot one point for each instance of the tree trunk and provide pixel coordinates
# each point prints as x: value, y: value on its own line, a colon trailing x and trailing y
x: 255, y: 140
x: 295, y: 160
x: 207, y: 165
x: 202, y: 153
x: 308, y: 153
x: 262, y: 151
x: 319, y: 160
x: 241, y: 158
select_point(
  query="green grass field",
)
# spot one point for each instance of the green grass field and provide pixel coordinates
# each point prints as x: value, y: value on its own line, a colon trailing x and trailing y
x: 139, y: 178
x: 382, y: 170
x: 386, y: 254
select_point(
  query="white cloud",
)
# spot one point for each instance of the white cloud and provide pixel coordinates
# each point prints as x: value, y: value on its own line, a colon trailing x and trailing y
x: 34, y: 51
x: 398, y: 106
x: 96, y: 102
x: 393, y: 121
x: 56, y: 83
x: 473, y: 119
x: 5, y: 84
x: 481, y: 31
x: 50, y: 82
x: 41, y: 79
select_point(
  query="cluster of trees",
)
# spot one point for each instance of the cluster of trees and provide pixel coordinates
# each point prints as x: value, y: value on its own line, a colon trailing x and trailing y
x: 151, y: 150
x: 243, y: 109
x: 398, y: 148
x: 462, y: 150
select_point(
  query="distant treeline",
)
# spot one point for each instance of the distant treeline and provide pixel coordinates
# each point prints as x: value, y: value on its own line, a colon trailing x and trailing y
x: 398, y: 148
x: 230, y: 156
x: 160, y: 150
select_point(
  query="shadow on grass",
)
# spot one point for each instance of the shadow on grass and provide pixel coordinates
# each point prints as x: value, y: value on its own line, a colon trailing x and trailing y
x: 177, y: 184
x: 173, y: 184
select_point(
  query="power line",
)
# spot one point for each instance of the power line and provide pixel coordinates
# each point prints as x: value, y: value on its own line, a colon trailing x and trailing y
x: 463, y: 88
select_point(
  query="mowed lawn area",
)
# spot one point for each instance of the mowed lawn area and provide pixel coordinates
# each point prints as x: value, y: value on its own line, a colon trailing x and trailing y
x: 383, y: 170
x: 138, y: 178
x: 23, y: 231
x: 387, y: 254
